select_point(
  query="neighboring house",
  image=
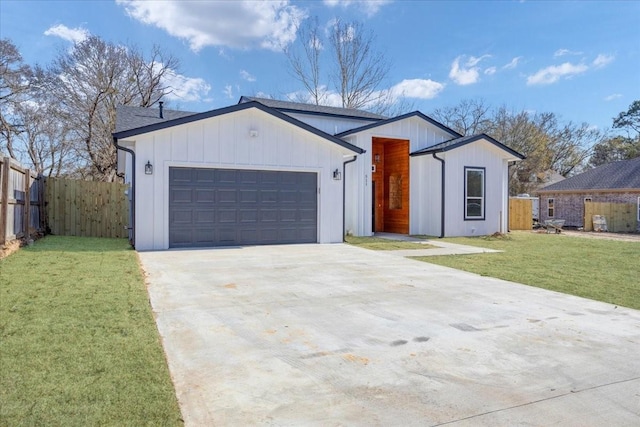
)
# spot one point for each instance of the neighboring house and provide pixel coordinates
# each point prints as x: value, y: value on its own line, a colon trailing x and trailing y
x: 617, y: 182
x: 268, y: 172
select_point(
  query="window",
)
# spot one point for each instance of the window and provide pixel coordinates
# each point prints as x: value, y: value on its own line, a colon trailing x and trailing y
x: 474, y: 189
x: 550, y: 208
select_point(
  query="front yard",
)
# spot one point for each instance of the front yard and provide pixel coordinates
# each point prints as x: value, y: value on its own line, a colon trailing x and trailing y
x: 603, y: 270
x: 78, y: 342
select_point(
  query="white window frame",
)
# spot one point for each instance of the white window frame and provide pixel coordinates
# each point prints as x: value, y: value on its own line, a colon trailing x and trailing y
x: 551, y: 207
x: 481, y: 198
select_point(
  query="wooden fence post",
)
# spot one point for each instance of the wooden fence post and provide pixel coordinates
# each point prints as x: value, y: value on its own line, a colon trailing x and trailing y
x: 4, y: 203
x: 27, y: 204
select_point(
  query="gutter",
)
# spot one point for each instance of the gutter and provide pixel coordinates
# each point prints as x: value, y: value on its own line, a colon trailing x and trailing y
x: 442, y: 222
x: 132, y: 226
x: 344, y: 197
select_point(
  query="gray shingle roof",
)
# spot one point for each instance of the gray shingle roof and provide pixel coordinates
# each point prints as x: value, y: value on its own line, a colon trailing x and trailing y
x: 612, y: 176
x: 128, y: 117
x: 463, y: 140
x: 287, y: 106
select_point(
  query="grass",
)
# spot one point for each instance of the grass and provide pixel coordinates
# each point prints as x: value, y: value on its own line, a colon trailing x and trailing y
x: 380, y: 244
x: 78, y: 342
x: 603, y: 270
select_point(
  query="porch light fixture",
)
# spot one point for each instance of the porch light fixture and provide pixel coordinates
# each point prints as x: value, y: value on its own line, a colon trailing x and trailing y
x: 148, y: 168
x: 253, y: 133
x: 337, y: 175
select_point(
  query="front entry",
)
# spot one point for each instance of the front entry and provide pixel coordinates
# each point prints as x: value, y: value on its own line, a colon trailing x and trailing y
x: 390, y: 179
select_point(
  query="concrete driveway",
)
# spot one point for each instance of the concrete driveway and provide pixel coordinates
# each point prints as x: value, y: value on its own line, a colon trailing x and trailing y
x: 333, y: 335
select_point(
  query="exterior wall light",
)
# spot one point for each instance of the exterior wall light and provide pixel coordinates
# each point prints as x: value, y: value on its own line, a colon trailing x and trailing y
x: 337, y: 175
x: 148, y: 168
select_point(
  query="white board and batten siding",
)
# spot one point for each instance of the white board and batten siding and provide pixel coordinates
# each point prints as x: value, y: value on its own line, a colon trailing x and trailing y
x: 480, y: 154
x: 421, y: 134
x: 247, y: 139
x: 330, y: 124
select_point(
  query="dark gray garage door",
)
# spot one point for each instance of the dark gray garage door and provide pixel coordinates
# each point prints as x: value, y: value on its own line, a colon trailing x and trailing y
x: 222, y: 207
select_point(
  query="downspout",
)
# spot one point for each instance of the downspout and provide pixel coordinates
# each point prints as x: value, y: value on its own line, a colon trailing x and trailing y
x: 442, y: 192
x: 509, y: 164
x: 132, y: 226
x: 344, y: 196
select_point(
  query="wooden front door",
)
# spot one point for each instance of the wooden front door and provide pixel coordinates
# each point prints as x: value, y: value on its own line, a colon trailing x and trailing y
x: 391, y: 185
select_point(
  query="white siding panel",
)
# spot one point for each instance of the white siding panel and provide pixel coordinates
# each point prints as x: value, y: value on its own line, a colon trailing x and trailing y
x: 195, y: 143
x: 211, y: 138
x: 329, y: 124
x: 178, y: 140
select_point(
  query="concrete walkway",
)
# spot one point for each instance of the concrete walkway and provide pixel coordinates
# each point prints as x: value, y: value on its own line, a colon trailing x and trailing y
x: 443, y: 248
x: 333, y: 335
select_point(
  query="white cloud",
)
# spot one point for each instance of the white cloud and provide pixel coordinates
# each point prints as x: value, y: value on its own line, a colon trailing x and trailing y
x: 74, y: 35
x: 564, y: 52
x: 369, y: 7
x: 246, y: 76
x: 602, y: 60
x: 228, y: 91
x: 513, y: 64
x: 491, y: 70
x: 237, y: 24
x: 187, y: 89
x: 417, y: 88
x: 554, y: 73
x: 467, y: 73
x: 612, y: 97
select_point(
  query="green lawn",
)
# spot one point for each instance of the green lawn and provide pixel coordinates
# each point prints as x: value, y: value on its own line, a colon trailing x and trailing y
x: 380, y: 244
x: 603, y: 270
x: 78, y: 342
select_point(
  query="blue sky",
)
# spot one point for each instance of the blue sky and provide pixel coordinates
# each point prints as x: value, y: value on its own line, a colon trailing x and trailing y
x: 580, y: 60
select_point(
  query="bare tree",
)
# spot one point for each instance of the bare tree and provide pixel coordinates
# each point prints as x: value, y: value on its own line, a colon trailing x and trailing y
x: 14, y: 86
x: 547, y: 143
x: 90, y: 81
x: 469, y: 117
x: 356, y: 70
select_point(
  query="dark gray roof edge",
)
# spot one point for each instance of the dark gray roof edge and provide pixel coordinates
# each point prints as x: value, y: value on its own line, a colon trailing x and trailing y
x: 397, y: 118
x: 614, y: 176
x: 356, y: 115
x: 232, y: 109
x: 452, y: 144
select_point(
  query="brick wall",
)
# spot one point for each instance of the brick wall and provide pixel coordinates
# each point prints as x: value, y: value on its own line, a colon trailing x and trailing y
x: 570, y: 207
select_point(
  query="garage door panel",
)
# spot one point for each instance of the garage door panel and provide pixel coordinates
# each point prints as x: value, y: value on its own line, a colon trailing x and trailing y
x: 205, y: 217
x: 249, y: 196
x: 226, y: 195
x: 227, y: 216
x: 181, y: 195
x: 204, y: 175
x: 268, y: 196
x: 204, y: 195
x: 223, y: 207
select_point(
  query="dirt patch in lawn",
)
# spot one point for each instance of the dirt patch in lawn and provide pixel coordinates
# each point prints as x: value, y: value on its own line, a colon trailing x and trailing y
x: 625, y: 237
x: 9, y: 248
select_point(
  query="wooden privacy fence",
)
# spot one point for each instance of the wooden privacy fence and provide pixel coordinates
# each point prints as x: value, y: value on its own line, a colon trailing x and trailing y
x: 520, y: 214
x: 620, y: 217
x: 21, y: 201
x: 87, y: 208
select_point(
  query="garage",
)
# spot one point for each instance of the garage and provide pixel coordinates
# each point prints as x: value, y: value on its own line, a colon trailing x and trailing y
x: 228, y: 207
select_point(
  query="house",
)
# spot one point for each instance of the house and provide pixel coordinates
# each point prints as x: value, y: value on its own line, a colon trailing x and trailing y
x: 616, y: 182
x: 269, y: 172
